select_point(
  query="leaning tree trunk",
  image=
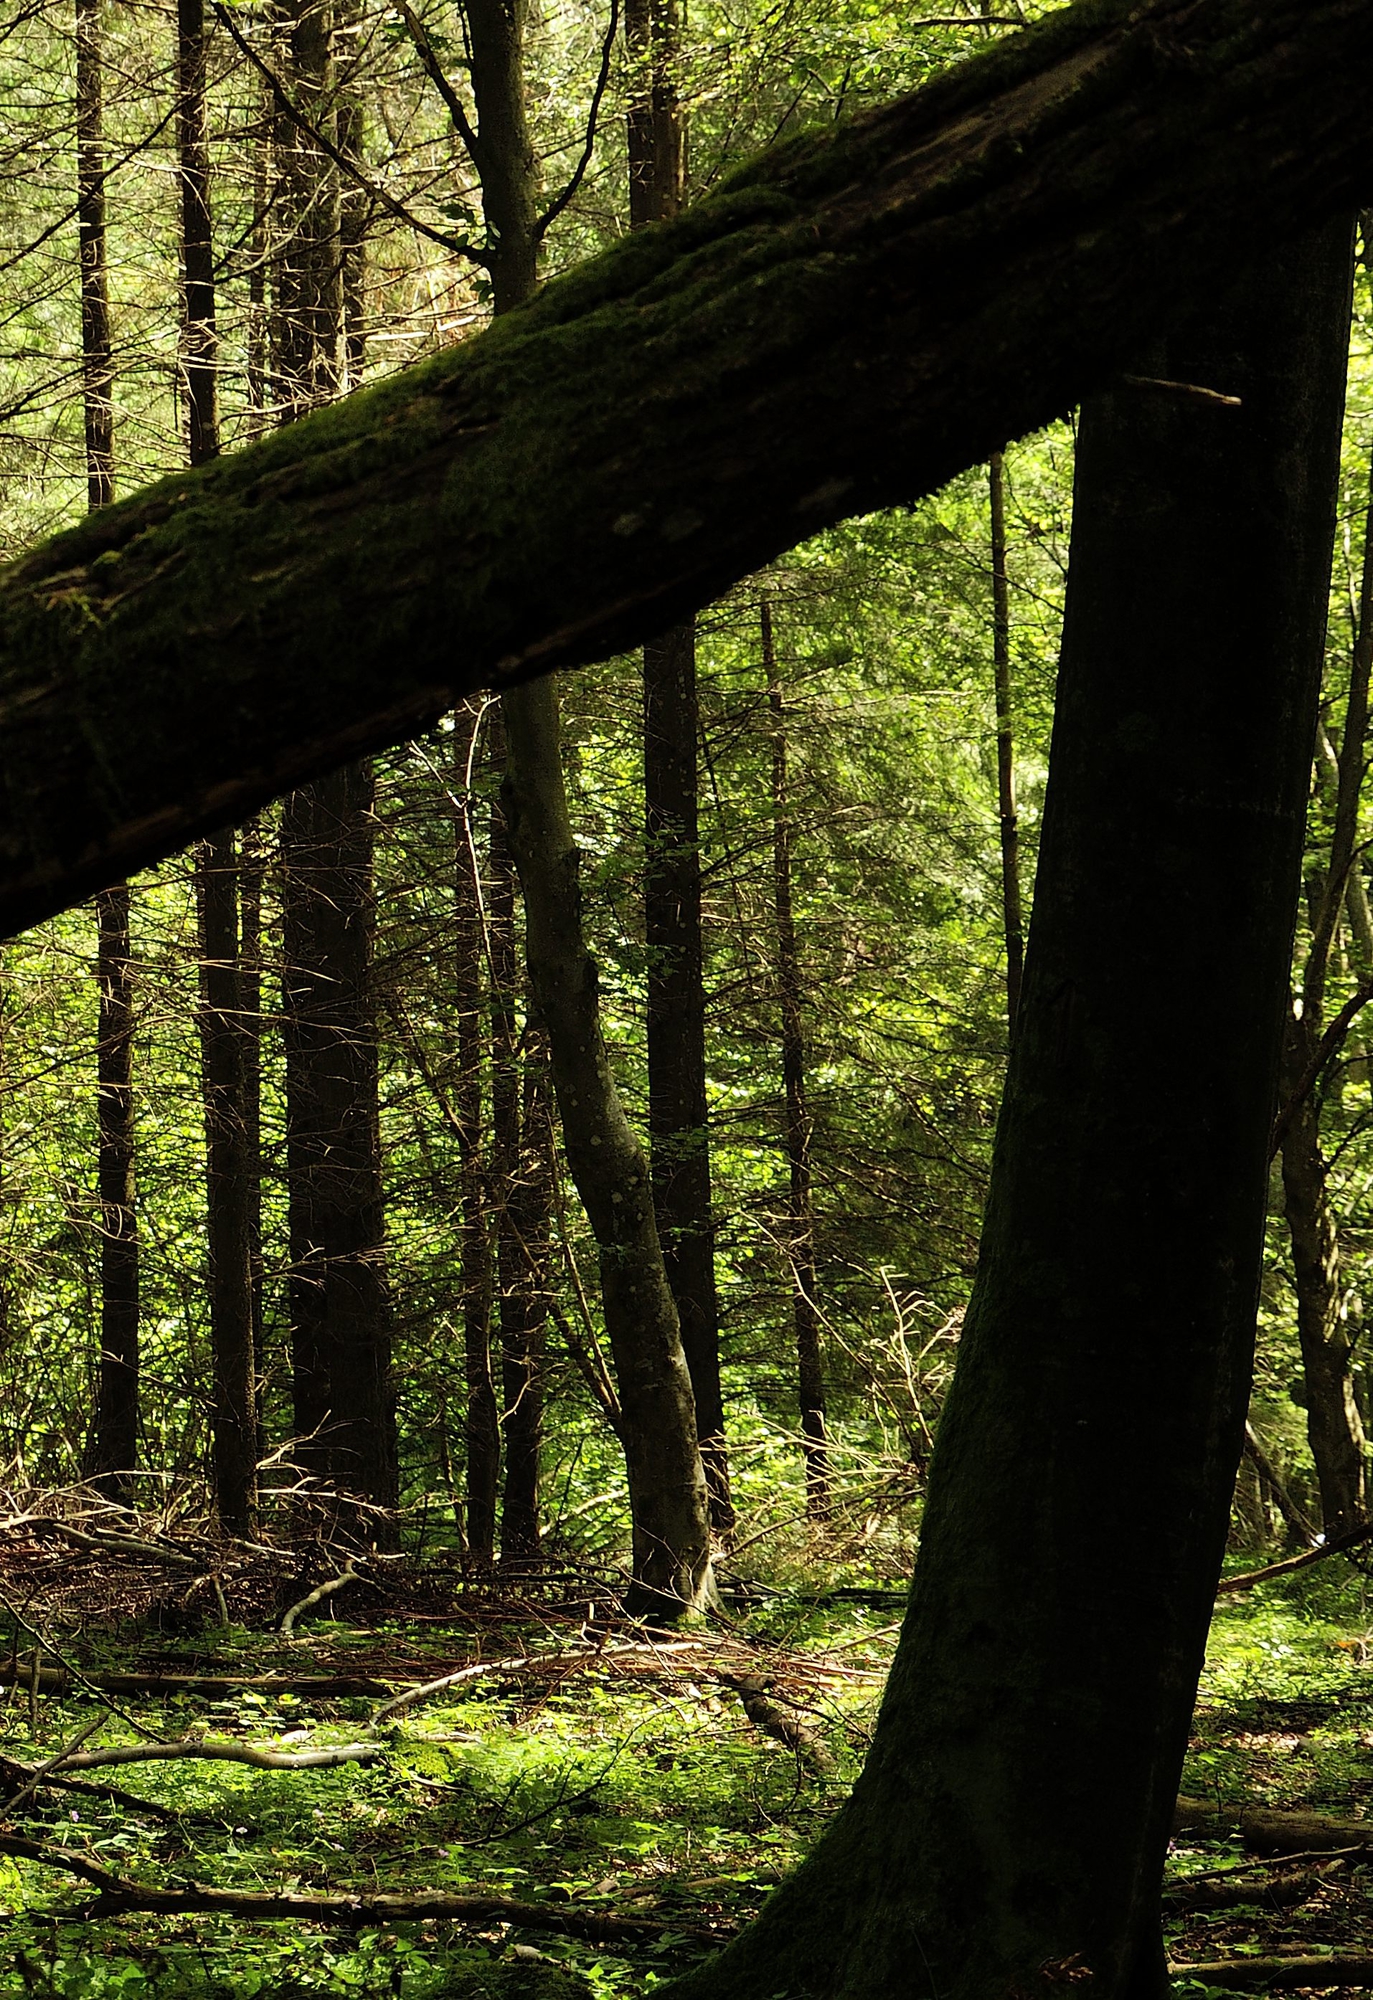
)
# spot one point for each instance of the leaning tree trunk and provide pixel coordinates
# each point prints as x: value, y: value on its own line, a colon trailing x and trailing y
x: 1009, y: 1830
x: 667, y: 1489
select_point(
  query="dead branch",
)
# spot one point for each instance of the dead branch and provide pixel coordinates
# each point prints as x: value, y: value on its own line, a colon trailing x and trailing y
x: 114, y: 1795
x: 1254, y: 1885
x: 213, y: 1686
x: 118, y: 1895
x: 316, y: 1596
x: 216, y: 1749
x: 1338, y: 1545
x: 532, y: 1664
x: 775, y: 1722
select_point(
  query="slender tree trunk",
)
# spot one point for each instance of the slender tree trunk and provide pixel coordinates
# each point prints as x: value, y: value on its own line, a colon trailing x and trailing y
x: 1007, y: 815
x: 228, y: 1180
x: 678, y: 1128
x: 251, y: 863
x: 482, y: 1424
x: 524, y: 1312
x: 667, y: 1489
x: 114, y: 1446
x: 113, y: 1452
x: 308, y: 322
x: 1009, y: 1830
x: 228, y: 1187
x: 800, y: 1244
x: 341, y: 1318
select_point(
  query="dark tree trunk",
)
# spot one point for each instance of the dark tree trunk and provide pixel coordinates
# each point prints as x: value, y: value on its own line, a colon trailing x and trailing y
x: 1009, y: 1830
x: 113, y: 1450
x: 113, y: 1454
x: 250, y: 873
x: 482, y: 1423
x: 858, y: 316
x: 228, y: 1175
x: 678, y: 1129
x: 524, y: 1311
x: 197, y: 245
x: 800, y: 1221
x: 677, y: 1108
x: 340, y: 1309
x: 667, y: 1490
x: 308, y: 321
x: 229, y: 1187
x: 1008, y: 818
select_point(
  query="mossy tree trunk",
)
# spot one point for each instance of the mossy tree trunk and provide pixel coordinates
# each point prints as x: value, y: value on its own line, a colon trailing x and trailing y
x: 1008, y: 1832
x: 849, y: 322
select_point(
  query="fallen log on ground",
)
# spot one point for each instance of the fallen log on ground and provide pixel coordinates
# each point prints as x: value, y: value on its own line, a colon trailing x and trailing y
x: 1281, y: 1973
x: 1280, y: 1892
x: 1338, y: 1545
x: 842, y: 326
x: 118, y: 1895
x: 1269, y: 1832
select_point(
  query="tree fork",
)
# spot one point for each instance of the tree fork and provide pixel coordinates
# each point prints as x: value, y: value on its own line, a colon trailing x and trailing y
x: 847, y: 323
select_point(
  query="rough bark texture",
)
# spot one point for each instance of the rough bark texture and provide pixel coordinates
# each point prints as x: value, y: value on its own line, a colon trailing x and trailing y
x: 230, y: 1183
x: 847, y: 323
x: 667, y: 1490
x: 340, y: 1308
x: 1008, y: 1832
x: 799, y: 1246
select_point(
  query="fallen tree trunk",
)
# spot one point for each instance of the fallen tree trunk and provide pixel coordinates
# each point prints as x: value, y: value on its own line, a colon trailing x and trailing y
x: 1266, y: 1832
x: 845, y: 325
x: 1246, y: 1973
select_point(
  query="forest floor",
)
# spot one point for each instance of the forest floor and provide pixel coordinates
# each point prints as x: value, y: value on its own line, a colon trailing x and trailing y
x: 622, y: 1802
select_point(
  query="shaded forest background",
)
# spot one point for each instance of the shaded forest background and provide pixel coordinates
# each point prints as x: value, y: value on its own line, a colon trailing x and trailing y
x: 852, y: 814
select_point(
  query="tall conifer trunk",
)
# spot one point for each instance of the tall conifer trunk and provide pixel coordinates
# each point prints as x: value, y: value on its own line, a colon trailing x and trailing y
x: 113, y: 1449
x: 229, y: 1179
x: 800, y: 1243
x: 1009, y: 1830
x: 679, y: 1135
x: 482, y: 1423
x: 1008, y: 817
x: 340, y: 1307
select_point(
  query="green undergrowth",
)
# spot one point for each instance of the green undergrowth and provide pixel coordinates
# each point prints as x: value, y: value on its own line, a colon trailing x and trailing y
x: 655, y: 1799
x: 1284, y: 1722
